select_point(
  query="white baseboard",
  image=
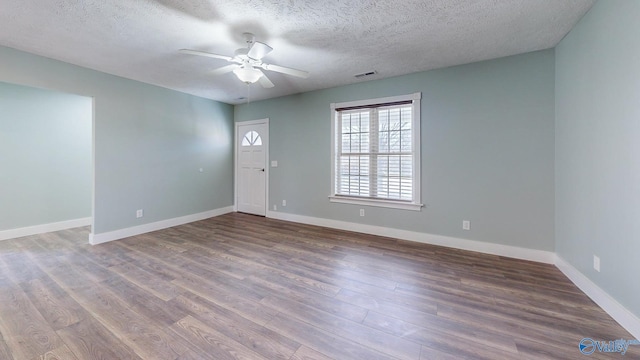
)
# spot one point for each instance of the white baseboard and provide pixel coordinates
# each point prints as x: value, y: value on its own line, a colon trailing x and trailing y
x: 542, y: 256
x: 44, y: 228
x: 619, y: 313
x: 95, y: 239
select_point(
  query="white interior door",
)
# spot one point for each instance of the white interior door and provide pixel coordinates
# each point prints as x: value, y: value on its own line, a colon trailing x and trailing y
x: 252, y: 142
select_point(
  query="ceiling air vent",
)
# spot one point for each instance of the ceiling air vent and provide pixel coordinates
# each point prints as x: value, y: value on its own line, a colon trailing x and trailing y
x: 365, y: 74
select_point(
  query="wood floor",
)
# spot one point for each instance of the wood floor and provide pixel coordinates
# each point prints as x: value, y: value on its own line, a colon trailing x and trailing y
x: 245, y: 287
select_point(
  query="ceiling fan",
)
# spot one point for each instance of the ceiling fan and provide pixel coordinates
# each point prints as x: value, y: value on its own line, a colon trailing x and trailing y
x: 247, y: 62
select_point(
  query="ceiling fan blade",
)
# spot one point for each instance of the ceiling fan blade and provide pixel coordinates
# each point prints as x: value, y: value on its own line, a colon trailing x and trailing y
x: 259, y: 50
x: 224, y: 69
x: 264, y: 81
x: 285, y: 70
x: 202, y: 53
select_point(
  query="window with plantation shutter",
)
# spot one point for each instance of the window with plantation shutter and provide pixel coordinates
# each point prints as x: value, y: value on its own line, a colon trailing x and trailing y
x: 376, y: 152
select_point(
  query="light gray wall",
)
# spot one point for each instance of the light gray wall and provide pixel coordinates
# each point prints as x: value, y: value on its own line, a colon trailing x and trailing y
x: 149, y: 142
x: 598, y: 148
x: 45, y: 156
x: 487, y: 151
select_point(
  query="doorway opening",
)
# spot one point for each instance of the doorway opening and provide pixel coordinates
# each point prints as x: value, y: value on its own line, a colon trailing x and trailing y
x: 46, y: 138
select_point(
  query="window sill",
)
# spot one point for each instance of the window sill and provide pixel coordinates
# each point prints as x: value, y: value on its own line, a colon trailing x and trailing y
x: 376, y: 202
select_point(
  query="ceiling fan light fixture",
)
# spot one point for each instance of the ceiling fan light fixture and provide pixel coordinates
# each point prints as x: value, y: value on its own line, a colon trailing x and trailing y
x: 248, y: 75
x: 247, y: 63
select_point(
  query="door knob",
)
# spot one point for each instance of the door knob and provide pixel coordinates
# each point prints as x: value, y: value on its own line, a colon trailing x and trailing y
x: 262, y: 170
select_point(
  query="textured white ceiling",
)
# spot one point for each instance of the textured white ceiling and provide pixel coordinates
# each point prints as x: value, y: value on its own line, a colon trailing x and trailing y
x: 332, y: 39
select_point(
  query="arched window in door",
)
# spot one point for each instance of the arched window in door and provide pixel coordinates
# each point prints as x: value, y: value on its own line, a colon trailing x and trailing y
x: 251, y: 138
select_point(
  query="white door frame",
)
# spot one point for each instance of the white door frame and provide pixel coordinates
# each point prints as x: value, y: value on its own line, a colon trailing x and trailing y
x: 266, y: 163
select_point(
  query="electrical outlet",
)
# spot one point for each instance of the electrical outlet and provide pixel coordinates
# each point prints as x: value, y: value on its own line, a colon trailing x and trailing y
x: 139, y: 213
x: 361, y: 212
x: 275, y: 207
x: 466, y: 225
x: 274, y: 163
x: 596, y: 263
x: 284, y: 202
x: 201, y: 170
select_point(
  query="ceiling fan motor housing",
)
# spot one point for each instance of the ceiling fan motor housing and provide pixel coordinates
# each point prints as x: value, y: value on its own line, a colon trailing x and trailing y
x: 242, y: 53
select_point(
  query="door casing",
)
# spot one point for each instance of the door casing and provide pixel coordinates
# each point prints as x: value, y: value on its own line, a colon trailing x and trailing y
x: 265, y: 140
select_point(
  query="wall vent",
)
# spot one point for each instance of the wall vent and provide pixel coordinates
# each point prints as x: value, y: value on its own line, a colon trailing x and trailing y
x: 365, y: 74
